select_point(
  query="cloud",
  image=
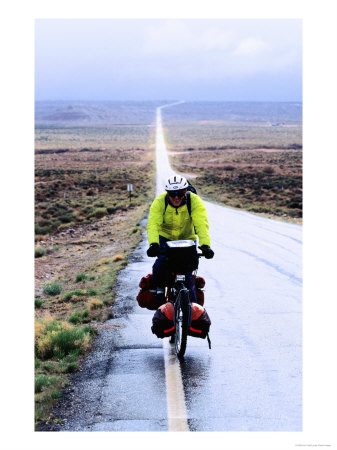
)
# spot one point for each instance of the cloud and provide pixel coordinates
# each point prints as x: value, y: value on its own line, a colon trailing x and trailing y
x: 251, y: 47
x: 120, y: 54
x: 177, y: 37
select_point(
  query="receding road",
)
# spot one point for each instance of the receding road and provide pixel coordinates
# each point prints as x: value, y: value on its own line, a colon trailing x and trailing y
x: 251, y: 379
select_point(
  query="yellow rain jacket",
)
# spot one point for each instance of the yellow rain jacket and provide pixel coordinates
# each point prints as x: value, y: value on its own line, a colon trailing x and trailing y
x: 177, y: 223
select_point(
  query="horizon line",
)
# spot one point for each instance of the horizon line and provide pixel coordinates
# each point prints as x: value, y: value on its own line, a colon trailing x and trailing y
x: 170, y: 100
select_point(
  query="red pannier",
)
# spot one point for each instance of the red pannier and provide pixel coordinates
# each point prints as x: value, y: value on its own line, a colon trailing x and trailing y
x: 162, y: 321
x: 199, y: 283
x: 146, y: 297
x: 200, y: 322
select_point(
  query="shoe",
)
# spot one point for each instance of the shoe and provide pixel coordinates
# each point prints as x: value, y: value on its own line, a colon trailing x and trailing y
x: 172, y: 339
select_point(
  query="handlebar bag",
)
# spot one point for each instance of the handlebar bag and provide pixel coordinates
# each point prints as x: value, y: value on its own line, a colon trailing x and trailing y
x: 182, y: 259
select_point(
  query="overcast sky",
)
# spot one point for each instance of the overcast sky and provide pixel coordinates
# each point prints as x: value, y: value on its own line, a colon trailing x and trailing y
x: 188, y: 59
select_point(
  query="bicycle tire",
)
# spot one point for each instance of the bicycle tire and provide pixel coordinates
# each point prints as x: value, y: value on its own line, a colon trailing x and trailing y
x: 181, y: 324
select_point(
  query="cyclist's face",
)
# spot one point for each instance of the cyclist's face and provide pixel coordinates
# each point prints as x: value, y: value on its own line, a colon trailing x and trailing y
x: 177, y: 198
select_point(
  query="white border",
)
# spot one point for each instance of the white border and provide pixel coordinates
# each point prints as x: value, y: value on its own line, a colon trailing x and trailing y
x: 17, y: 73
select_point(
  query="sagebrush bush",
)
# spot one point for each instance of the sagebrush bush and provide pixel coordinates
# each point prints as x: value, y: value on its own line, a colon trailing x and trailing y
x: 66, y: 219
x: 41, y: 230
x: 76, y: 293
x: 91, y: 291
x: 39, y: 251
x: 41, y: 381
x: 81, y: 277
x: 72, y: 295
x: 58, y: 339
x: 38, y: 303
x: 80, y: 317
x: 95, y: 303
x: 99, y: 213
x: 55, y: 394
x: 64, y: 226
x: 103, y: 261
x: 71, y: 367
x: 52, y: 288
x: 117, y: 258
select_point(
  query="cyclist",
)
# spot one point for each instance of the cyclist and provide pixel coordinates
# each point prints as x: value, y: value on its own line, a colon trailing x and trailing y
x: 174, y: 215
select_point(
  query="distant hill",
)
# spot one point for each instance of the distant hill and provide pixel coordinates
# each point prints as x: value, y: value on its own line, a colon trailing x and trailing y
x: 68, y: 113
x: 266, y: 112
x: 80, y: 113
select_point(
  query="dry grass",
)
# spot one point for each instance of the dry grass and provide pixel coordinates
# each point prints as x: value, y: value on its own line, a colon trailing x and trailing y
x: 256, y: 168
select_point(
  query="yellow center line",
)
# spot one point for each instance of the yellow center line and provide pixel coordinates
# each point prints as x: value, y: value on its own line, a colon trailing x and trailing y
x: 177, y: 413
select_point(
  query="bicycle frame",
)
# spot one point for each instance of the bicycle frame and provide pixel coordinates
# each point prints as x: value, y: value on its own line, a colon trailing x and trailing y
x: 179, y: 294
x: 182, y: 297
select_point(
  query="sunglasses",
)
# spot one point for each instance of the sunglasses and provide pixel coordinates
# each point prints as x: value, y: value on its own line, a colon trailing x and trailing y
x: 179, y: 194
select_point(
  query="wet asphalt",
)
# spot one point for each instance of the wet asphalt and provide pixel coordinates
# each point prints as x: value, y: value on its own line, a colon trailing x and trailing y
x: 249, y: 381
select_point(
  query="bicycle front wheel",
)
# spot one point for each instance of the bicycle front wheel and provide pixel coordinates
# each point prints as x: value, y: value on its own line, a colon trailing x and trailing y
x: 181, y: 324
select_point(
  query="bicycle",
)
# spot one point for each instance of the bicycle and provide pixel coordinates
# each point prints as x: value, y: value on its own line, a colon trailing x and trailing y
x: 182, y: 257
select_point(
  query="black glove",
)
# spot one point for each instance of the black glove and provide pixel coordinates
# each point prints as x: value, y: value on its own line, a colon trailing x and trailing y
x: 153, y: 250
x: 207, y: 251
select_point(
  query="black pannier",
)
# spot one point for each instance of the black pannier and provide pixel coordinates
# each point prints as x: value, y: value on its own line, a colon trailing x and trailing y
x: 199, y: 283
x: 200, y: 322
x: 162, y: 321
x: 146, y: 297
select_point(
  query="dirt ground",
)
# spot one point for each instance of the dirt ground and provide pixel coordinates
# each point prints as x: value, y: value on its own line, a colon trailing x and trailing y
x: 82, y: 246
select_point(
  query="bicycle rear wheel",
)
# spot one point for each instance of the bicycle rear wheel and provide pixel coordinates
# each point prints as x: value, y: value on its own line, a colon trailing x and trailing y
x: 181, y: 324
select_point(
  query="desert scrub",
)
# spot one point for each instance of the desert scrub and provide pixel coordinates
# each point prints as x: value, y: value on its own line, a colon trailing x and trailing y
x: 66, y: 219
x: 98, y: 213
x: 56, y: 339
x: 117, y: 258
x: 47, y: 390
x: 51, y: 250
x: 42, y: 381
x: 38, y: 303
x: 102, y: 261
x: 80, y: 317
x: 52, y: 289
x: 40, y: 251
x: 95, y: 303
x: 73, y: 295
x: 64, y: 226
x: 80, y: 277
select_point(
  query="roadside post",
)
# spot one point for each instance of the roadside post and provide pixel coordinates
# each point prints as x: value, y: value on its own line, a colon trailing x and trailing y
x: 130, y: 189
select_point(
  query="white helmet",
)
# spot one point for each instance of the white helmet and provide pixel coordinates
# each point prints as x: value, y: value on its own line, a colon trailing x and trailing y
x: 175, y: 183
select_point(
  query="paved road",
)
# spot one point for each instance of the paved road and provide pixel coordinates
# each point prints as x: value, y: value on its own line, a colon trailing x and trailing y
x: 251, y: 378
